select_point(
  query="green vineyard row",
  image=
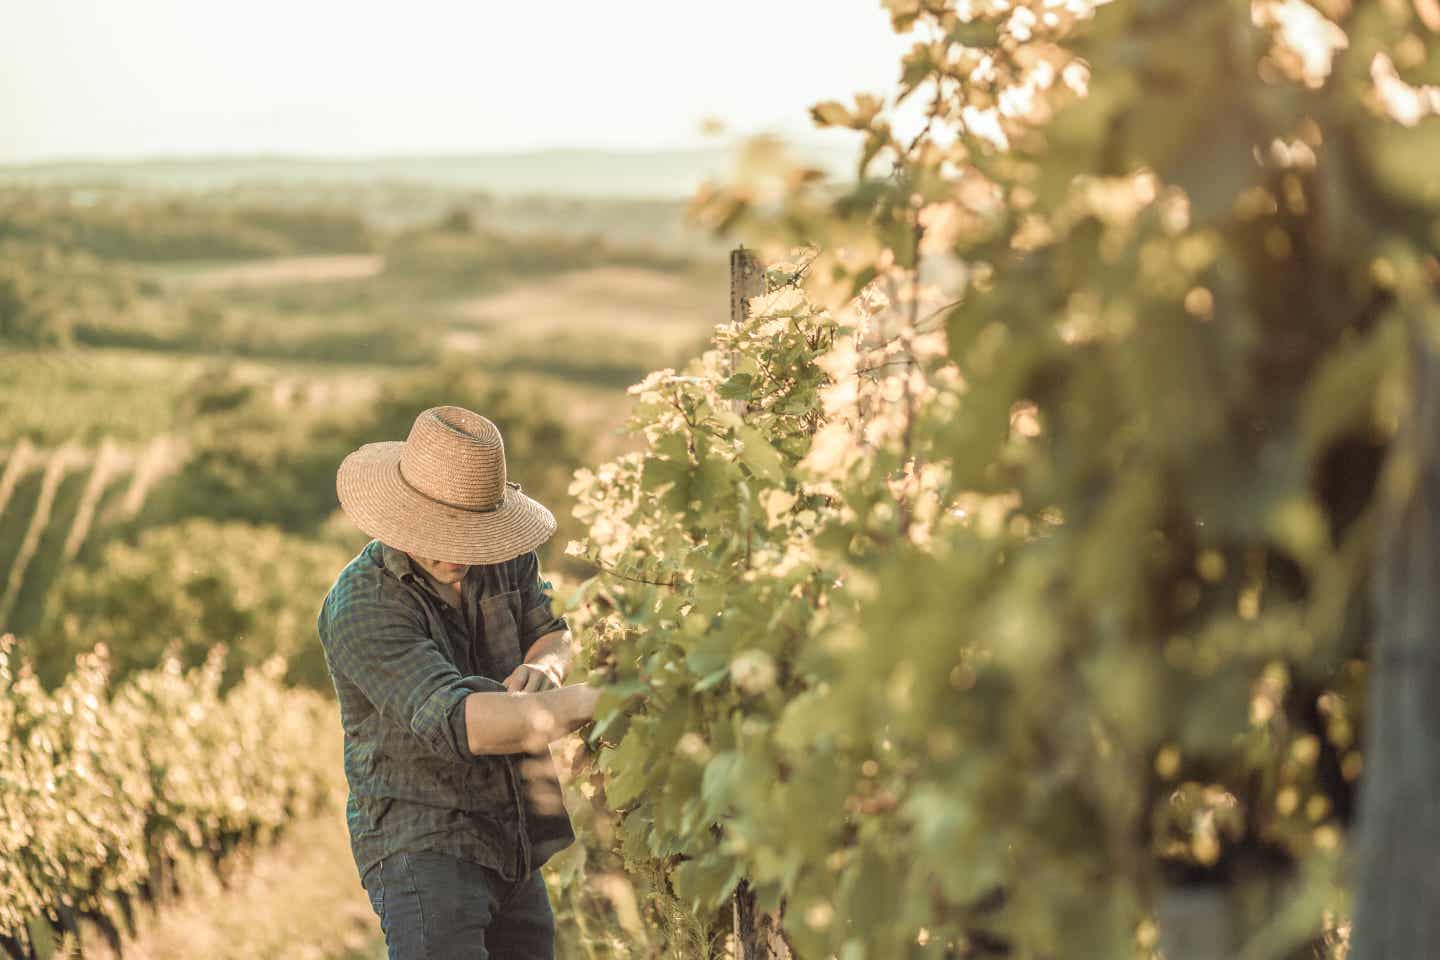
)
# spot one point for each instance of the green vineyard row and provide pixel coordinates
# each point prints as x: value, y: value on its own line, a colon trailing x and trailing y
x: 51, y: 501
x: 103, y: 791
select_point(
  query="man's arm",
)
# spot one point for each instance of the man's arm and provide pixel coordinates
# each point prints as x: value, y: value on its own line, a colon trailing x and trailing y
x: 525, y: 722
x: 384, y: 649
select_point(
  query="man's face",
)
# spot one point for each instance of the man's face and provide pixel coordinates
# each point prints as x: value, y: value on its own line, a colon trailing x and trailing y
x: 441, y: 571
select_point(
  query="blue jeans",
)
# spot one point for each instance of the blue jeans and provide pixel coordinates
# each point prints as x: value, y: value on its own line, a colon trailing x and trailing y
x: 435, y: 907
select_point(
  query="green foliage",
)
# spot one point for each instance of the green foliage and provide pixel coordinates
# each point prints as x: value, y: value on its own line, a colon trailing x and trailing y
x: 176, y: 590
x: 46, y: 293
x: 255, y: 456
x: 24, y: 321
x: 129, y: 396
x: 706, y: 540
x: 176, y: 229
x: 1031, y: 589
x: 608, y: 906
x: 104, y: 790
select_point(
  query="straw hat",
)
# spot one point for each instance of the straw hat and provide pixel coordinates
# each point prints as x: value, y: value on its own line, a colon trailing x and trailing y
x: 442, y: 494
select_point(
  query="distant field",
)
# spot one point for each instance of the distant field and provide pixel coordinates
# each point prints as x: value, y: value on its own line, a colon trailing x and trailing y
x: 581, y: 338
x: 251, y: 365
x: 52, y: 396
x: 277, y: 271
x: 576, y: 338
x: 604, y: 174
x: 660, y: 310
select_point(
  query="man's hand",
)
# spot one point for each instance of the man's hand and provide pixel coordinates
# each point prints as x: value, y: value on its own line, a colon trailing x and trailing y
x: 531, y: 678
x: 546, y: 664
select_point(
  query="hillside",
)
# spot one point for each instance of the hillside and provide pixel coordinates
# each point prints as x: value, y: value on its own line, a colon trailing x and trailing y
x: 557, y: 173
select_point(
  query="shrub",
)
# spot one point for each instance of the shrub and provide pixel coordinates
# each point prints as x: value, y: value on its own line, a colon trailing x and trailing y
x: 182, y: 588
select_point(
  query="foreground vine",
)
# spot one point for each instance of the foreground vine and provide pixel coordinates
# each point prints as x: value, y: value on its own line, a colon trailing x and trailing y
x: 1021, y: 560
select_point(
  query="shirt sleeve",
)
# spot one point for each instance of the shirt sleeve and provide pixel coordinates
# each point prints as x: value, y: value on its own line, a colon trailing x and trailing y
x: 385, y: 650
x: 536, y: 616
x: 458, y: 730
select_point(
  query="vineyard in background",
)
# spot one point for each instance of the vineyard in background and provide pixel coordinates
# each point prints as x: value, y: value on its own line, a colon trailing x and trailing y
x: 53, y: 500
x: 180, y: 374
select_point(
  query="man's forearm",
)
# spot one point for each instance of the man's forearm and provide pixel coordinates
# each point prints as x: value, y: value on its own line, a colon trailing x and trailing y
x: 525, y: 722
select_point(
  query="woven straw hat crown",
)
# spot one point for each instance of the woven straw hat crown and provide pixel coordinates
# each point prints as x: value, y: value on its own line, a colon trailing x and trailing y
x: 455, y: 457
x: 443, y: 493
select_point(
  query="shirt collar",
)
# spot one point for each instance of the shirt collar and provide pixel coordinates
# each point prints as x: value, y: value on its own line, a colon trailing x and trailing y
x: 396, y: 561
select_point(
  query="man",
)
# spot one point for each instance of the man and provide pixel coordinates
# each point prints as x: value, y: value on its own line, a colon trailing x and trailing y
x: 448, y: 664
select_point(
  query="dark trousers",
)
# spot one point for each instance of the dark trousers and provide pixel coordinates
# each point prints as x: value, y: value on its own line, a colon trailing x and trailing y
x: 435, y: 907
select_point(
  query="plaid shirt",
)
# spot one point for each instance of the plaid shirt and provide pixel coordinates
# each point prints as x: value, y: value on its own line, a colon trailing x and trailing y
x: 403, y: 660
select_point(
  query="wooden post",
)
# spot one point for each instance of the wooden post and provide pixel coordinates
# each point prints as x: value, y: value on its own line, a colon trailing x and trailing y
x: 747, y: 279
x: 758, y: 936
x: 1398, y: 828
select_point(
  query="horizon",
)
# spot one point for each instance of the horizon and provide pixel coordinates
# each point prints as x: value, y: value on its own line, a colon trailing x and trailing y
x: 818, y: 144
x: 558, y: 171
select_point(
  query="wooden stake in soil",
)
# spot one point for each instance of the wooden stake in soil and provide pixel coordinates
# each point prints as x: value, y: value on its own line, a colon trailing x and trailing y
x: 747, y: 280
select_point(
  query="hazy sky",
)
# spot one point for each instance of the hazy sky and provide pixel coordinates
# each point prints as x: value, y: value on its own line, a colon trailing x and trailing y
x: 138, y: 77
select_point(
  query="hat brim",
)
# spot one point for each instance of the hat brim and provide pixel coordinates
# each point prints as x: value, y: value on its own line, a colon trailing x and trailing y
x: 379, y: 501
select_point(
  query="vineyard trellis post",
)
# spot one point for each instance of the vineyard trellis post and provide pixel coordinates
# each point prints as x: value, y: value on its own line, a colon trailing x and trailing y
x: 756, y: 934
x: 747, y: 279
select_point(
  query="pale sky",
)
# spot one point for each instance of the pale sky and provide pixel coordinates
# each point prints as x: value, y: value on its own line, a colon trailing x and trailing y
x: 123, y: 78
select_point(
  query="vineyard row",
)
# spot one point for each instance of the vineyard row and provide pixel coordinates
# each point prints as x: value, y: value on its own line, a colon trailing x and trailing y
x: 51, y: 501
x: 103, y: 792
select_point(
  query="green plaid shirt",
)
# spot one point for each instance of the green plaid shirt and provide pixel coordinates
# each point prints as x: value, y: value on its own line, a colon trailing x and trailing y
x: 403, y: 660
